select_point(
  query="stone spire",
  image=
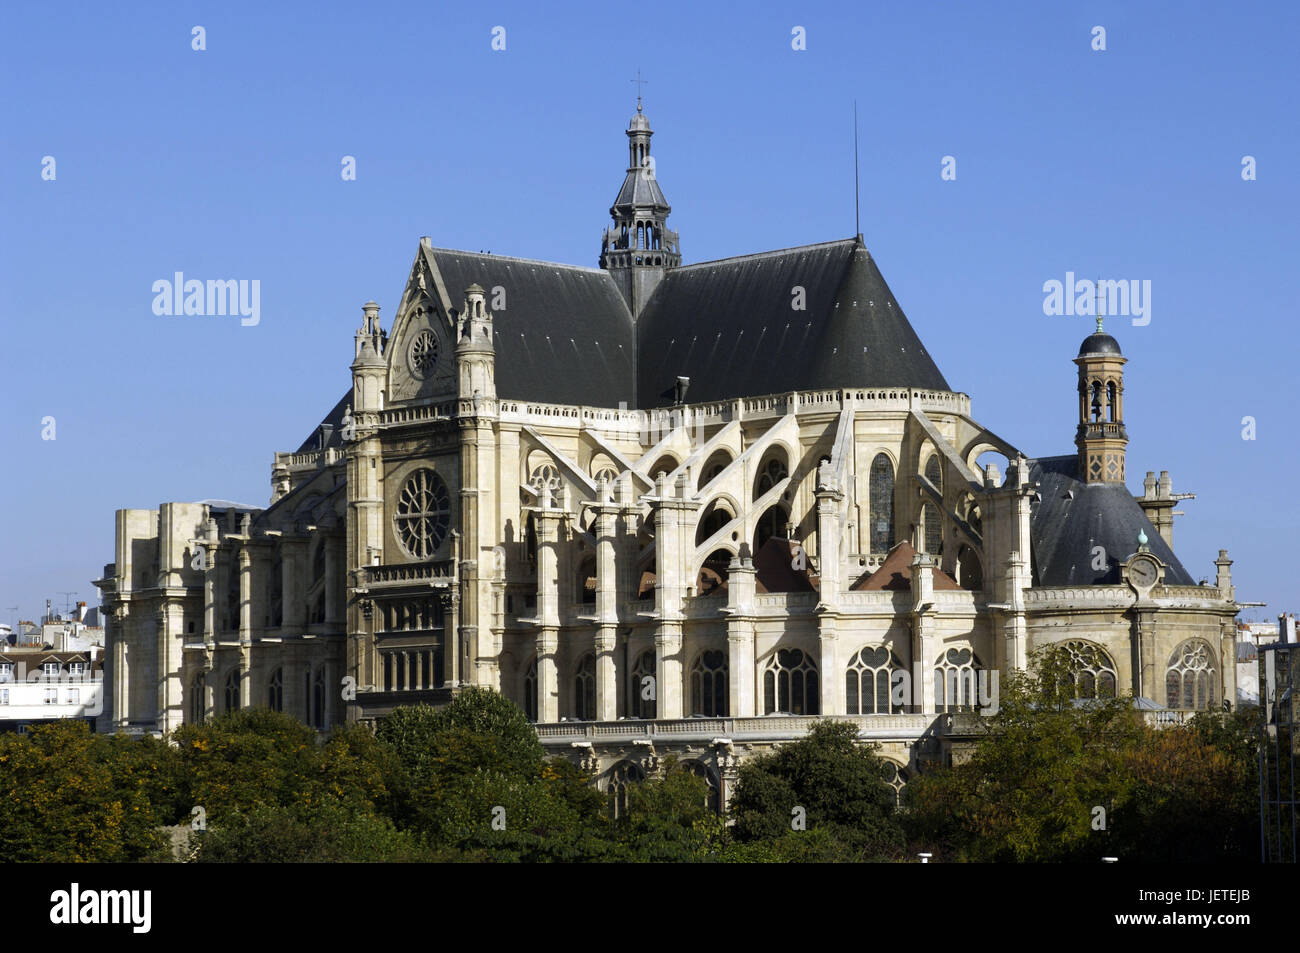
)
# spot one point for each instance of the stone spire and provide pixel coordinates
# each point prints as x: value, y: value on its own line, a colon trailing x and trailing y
x: 640, y: 247
x: 1101, y: 437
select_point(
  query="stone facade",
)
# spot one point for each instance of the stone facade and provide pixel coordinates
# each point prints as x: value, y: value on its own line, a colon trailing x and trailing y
x: 700, y: 580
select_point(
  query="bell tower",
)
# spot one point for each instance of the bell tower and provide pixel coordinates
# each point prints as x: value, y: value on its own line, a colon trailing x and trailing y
x: 1101, y: 437
x: 640, y: 247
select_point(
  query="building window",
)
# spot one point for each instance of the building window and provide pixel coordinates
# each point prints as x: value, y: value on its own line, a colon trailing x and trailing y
x: 423, y: 514
x: 76, y: 671
x: 6, y: 672
x: 934, y: 472
x: 956, y: 680
x: 544, y: 475
x: 790, y: 684
x: 275, y: 691
x: 709, y: 693
x: 896, y: 777
x: 4, y: 696
x: 881, y: 495
x: 51, y: 696
x: 318, y: 714
x: 232, y: 594
x: 530, y: 690
x: 867, y: 681
x: 933, y: 525
x: 1091, y: 670
x: 275, y: 602
x: 232, y: 690
x: 584, y: 689
x: 621, y: 777
x: 644, y: 690
x: 1191, y: 680
x: 701, y: 770
x: 198, y: 704
x: 772, y: 473
x: 74, y: 696
x: 50, y: 669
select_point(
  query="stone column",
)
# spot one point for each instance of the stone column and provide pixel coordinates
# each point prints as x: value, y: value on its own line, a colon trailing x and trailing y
x: 546, y: 520
x: 829, y: 504
x: 925, y: 642
x: 740, y: 638
x: 606, y: 604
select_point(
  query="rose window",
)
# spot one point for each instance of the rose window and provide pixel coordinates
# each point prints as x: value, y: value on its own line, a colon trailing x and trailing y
x: 423, y: 514
x: 424, y: 353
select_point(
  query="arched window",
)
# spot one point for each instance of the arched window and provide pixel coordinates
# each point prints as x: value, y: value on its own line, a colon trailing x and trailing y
x: 644, y: 690
x: 198, y: 699
x: 1191, y: 680
x: 956, y: 680
x: 934, y: 472
x: 701, y: 770
x: 318, y: 714
x: 621, y: 777
x: 715, y: 516
x: 896, y: 777
x: 544, y: 474
x: 866, y: 683
x: 530, y: 690
x: 881, y: 495
x: 584, y: 689
x: 790, y: 684
x: 1110, y: 401
x: 232, y: 690
x: 275, y: 691
x: 771, y: 523
x: 713, y: 468
x: 772, y: 473
x: 1096, y: 400
x: 709, y: 693
x: 608, y: 474
x: 1091, y: 669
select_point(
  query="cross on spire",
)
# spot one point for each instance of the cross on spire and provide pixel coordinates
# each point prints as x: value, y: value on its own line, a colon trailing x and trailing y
x: 639, y: 83
x: 1097, y: 308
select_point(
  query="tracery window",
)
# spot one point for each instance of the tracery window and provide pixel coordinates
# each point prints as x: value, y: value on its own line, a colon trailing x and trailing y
x: 867, y: 681
x: 608, y: 474
x: 934, y: 472
x: 232, y: 690
x: 790, y: 684
x: 1091, y: 669
x: 621, y: 777
x: 881, y: 496
x: 896, y: 777
x: 584, y: 689
x: 773, y: 473
x: 275, y: 691
x: 423, y: 355
x: 544, y: 474
x: 423, y: 514
x: 701, y: 770
x: 1191, y: 679
x: 956, y: 680
x: 709, y: 693
x: 530, y: 690
x: 644, y: 690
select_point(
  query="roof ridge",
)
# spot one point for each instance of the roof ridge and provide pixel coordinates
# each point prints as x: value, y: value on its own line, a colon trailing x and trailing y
x: 769, y: 254
x: 528, y: 261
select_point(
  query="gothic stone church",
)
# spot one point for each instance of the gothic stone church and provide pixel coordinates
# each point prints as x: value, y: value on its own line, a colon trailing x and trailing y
x: 667, y: 509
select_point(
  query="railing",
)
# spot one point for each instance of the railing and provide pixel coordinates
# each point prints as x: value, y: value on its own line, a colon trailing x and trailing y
x: 437, y: 573
x: 902, y: 726
x: 418, y: 412
x: 311, y: 459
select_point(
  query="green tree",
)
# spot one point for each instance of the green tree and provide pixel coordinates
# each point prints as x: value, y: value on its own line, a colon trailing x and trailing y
x: 829, y: 782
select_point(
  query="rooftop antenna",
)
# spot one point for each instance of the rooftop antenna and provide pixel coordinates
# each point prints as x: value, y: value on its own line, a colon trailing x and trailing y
x: 857, y: 222
x: 66, y: 602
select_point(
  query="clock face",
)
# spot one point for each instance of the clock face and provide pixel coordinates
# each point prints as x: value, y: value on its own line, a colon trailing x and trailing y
x: 1143, y: 572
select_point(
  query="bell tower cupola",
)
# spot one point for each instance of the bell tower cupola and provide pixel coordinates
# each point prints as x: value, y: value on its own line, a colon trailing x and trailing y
x: 1101, y: 437
x: 640, y: 247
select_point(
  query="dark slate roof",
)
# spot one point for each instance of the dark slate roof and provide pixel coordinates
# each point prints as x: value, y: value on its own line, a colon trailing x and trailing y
x: 895, y: 573
x: 565, y: 335
x: 332, y: 420
x: 1099, y: 343
x: 640, y: 190
x: 1064, y: 530
x: 730, y: 327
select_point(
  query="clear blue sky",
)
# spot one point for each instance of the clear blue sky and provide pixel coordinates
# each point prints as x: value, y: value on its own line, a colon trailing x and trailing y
x: 225, y: 164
